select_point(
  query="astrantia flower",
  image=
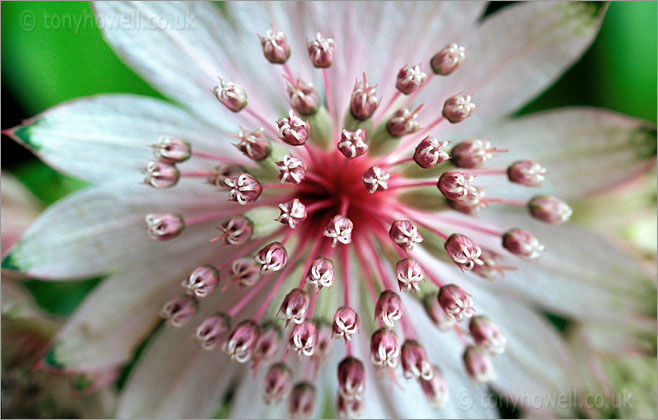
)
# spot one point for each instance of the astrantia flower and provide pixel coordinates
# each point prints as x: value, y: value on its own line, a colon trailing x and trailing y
x: 345, y: 245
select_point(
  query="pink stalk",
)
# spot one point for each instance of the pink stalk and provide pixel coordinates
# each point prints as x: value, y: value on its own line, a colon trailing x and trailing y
x: 319, y: 205
x: 413, y: 184
x: 484, y: 172
x: 248, y: 248
x: 246, y: 298
x: 345, y: 204
x: 433, y: 124
x: 217, y: 158
x: 276, y: 185
x: 518, y: 203
x: 366, y: 271
x: 286, y: 68
x: 413, y: 96
x: 317, y: 179
x: 379, y: 266
x: 411, y: 213
x: 196, y: 174
x: 189, y: 221
x: 345, y: 265
x: 309, y: 261
x: 287, y: 236
x: 399, y: 162
x: 383, y: 110
x: 266, y: 125
x: 327, y: 95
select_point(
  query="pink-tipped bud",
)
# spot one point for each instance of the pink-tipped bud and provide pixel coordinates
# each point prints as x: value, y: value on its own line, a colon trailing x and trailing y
x: 304, y: 338
x: 231, y: 95
x: 302, y: 401
x: 409, y: 79
x: 478, y: 365
x: 221, y: 173
x: 272, y: 257
x: 303, y: 96
x: 235, y: 231
x: 435, y: 389
x: 242, y: 341
x: 164, y: 226
x: 278, y: 383
x: 448, y: 59
x: 455, y: 185
x: 172, y: 150
x: 202, y: 281
x: 463, y: 251
x: 293, y: 212
x: 456, y: 302
x: 405, y: 234
x: 208, y: 333
x: 291, y: 169
x: 458, y: 107
x: 339, y: 229
x: 275, y: 46
x: 321, y: 274
x: 294, y: 306
x: 487, y: 335
x: 469, y: 205
x: 325, y: 343
x: 346, y: 323
x: 385, y: 348
x: 526, y: 172
x: 351, y: 378
x: 252, y: 144
x: 489, y: 269
x: 244, y: 189
x: 293, y: 130
x: 472, y: 153
x: 439, y: 317
x: 415, y: 362
x: 522, y: 243
x: 321, y: 51
x: 430, y: 152
x: 348, y: 409
x: 388, y: 308
x: 267, y: 344
x: 179, y: 310
x: 245, y: 272
x: 159, y: 174
x: 376, y: 179
x: 364, y: 100
x: 403, y: 122
x: 549, y: 209
x: 353, y: 144
x: 409, y: 274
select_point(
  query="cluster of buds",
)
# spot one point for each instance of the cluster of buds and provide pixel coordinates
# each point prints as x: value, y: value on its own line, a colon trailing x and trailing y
x: 472, y: 153
x: 161, y: 174
x: 549, y: 209
x: 321, y: 273
x: 178, y: 311
x: 430, y: 152
x: 526, y: 172
x: 456, y: 186
x: 292, y: 213
x: 294, y: 306
x: 202, y: 281
x: 210, y: 331
x: 409, y: 274
x: 522, y: 243
x: 448, y: 59
x: 243, y: 189
x: 272, y: 257
x: 235, y: 231
x: 276, y: 48
x: 293, y: 130
x: 346, y: 323
x: 351, y: 379
x: 403, y: 122
x: 458, y: 107
x: 376, y: 179
x: 303, y: 96
x: 321, y: 51
x: 164, y: 226
x: 291, y: 169
x: 231, y: 95
x: 253, y: 144
x: 364, y: 100
x: 245, y: 272
x: 242, y: 341
x: 405, y: 234
x: 353, y: 144
x: 339, y: 229
x: 409, y: 79
x: 220, y: 173
x: 455, y: 302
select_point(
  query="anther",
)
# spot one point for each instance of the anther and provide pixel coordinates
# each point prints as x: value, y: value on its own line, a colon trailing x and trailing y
x: 242, y: 340
x: 321, y: 51
x: 487, y: 335
x: 291, y: 169
x: 272, y: 257
x: 430, y: 152
x: 208, y: 333
x: 172, y: 150
x: 385, y: 348
x: 448, y: 59
x: 456, y: 302
x: 244, y: 189
x: 302, y: 401
x: 235, y: 231
x: 376, y: 179
x: 293, y: 130
x: 245, y: 272
x: 351, y: 378
x: 352, y: 143
x: 455, y: 185
x: 439, y: 317
x: 179, y: 310
x: 403, y: 122
x: 303, y: 96
x: 346, y: 323
x: 339, y: 229
x: 526, y: 172
x: 293, y: 213
x: 160, y: 174
x: 303, y: 338
x: 478, y: 365
x: 388, y: 308
x: 321, y: 274
x: 278, y: 383
x: 202, y: 281
x: 252, y: 144
x: 276, y: 48
x: 364, y: 100
x: 435, y: 389
x: 458, y: 107
x: 409, y: 274
x: 164, y: 226
x: 221, y: 173
x: 405, y: 234
x: 409, y: 79
x: 231, y: 95
x: 522, y: 243
x: 294, y: 306
x: 415, y: 362
x: 472, y: 153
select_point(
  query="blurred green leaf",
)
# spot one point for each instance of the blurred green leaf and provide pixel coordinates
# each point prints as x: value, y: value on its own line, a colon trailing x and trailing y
x: 45, y: 183
x: 60, y: 298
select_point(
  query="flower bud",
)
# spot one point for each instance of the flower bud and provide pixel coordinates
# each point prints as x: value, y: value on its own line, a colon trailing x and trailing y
x: 352, y: 144
x: 455, y: 185
x: 292, y: 213
x: 291, y: 169
x: 294, y: 306
x: 339, y: 229
x: 240, y: 344
x: 549, y: 209
x: 489, y: 269
x: 469, y: 205
x: 409, y: 273
x: 388, y: 308
x: 245, y: 272
x: 275, y: 46
x: 202, y: 281
x: 403, y: 122
x: 231, y: 95
x: 321, y: 51
x: 304, y: 338
x: 321, y: 273
x: 278, y: 382
x: 164, y: 226
x: 171, y: 150
x: 456, y: 302
x: 472, y: 153
x: 161, y: 174
x: 348, y: 409
x: 439, y: 317
x: 526, y: 172
x: 385, y: 348
x: 179, y: 310
x: 302, y: 401
x: 267, y: 344
x: 293, y: 130
x: 522, y: 243
x: 448, y: 59
x: 235, y: 231
x: 303, y: 96
x: 209, y: 331
x: 409, y: 79
x: 364, y: 100
x: 435, y: 389
x: 244, y: 189
x: 430, y: 152
x: 458, y: 107
x: 351, y: 378
x: 376, y: 179
x: 252, y: 144
x: 463, y: 251
x: 415, y: 363
x: 487, y: 335
x: 478, y: 365
x: 272, y: 257
x: 405, y: 234
x: 221, y: 173
x: 346, y: 323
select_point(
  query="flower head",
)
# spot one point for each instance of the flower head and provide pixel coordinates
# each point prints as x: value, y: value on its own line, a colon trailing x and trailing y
x: 275, y: 46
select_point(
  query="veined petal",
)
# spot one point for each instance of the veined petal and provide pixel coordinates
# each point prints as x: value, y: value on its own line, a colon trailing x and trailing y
x: 107, y: 138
